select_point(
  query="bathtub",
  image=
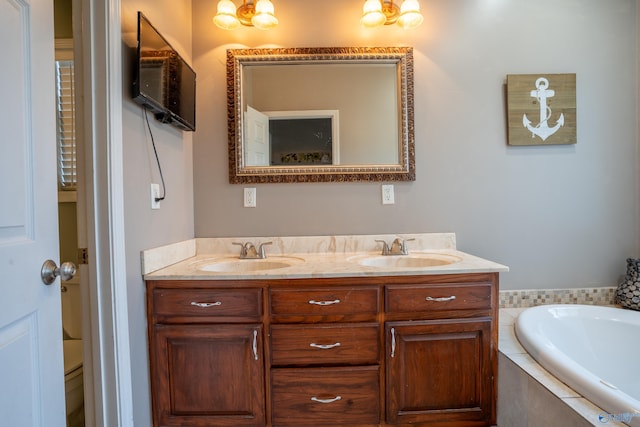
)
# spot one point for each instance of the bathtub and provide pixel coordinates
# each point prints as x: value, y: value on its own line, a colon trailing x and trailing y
x: 594, y: 350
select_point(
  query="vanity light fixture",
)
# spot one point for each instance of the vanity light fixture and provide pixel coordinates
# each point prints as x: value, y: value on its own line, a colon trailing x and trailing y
x: 258, y: 14
x: 379, y: 12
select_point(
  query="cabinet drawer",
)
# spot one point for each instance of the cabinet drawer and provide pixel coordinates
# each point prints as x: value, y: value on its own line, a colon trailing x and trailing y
x: 349, y: 344
x: 434, y: 297
x: 325, y: 396
x: 325, y: 301
x: 212, y: 304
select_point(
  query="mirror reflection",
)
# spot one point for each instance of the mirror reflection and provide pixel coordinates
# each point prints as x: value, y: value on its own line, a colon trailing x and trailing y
x: 320, y: 114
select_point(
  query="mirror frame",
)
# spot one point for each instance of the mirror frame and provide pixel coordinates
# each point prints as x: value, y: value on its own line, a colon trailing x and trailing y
x: 240, y: 173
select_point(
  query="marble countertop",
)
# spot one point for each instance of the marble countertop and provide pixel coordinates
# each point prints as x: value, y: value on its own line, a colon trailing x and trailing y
x: 306, y: 257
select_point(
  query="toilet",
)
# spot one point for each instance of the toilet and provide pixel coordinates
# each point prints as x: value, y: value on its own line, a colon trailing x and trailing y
x: 72, y: 348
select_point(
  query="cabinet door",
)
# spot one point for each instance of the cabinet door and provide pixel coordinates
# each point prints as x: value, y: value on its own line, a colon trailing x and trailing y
x: 208, y: 375
x: 440, y: 372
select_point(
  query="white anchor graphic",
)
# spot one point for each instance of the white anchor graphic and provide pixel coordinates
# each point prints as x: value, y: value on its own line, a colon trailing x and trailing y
x: 541, y: 94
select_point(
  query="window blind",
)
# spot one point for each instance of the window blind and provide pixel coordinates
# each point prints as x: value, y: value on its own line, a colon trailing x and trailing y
x: 66, y: 125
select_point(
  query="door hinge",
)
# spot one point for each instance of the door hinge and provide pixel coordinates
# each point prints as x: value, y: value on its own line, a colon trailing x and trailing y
x: 83, y: 256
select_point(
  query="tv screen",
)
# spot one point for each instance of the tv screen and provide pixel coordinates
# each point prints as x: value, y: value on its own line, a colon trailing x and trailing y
x: 164, y: 83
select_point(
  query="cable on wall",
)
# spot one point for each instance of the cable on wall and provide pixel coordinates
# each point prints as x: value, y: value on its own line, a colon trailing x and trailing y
x: 153, y: 143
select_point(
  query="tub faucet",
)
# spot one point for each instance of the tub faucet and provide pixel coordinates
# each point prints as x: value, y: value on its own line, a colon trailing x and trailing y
x: 248, y: 250
x: 397, y: 247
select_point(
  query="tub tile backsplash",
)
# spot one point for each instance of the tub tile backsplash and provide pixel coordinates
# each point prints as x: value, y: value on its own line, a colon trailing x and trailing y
x: 531, y: 298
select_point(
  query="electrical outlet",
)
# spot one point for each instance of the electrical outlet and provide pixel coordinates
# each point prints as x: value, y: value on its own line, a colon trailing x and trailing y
x: 155, y: 194
x: 249, y: 197
x: 387, y: 195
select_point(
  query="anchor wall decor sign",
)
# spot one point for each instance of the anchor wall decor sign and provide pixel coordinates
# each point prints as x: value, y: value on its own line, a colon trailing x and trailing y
x: 541, y: 109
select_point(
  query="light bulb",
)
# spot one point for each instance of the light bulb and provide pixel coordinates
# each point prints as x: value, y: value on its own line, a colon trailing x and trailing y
x: 264, y: 6
x: 372, y: 15
x: 410, y: 16
x: 264, y: 18
x: 226, y: 17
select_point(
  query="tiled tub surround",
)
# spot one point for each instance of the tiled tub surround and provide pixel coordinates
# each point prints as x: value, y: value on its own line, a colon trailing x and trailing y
x: 534, y: 297
x: 528, y: 395
x: 320, y: 256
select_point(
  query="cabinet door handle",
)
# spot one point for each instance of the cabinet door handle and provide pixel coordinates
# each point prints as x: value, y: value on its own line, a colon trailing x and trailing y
x: 255, y: 344
x: 335, y: 301
x: 324, y: 346
x: 393, y: 342
x: 333, y: 399
x: 439, y: 299
x: 206, y: 304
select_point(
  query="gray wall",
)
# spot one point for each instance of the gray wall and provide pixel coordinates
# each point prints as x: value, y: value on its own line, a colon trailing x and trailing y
x: 559, y: 216
x: 146, y: 228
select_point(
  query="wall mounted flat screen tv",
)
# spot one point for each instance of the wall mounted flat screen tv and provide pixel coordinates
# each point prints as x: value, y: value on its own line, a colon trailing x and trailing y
x: 164, y: 83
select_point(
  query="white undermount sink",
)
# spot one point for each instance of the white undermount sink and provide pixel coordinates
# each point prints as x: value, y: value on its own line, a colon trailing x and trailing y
x: 237, y: 265
x: 415, y: 260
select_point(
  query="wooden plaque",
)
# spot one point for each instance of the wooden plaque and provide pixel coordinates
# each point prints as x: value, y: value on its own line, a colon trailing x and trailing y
x: 541, y: 109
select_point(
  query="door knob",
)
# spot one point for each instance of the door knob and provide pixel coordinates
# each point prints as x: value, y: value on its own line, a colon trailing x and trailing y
x: 50, y: 271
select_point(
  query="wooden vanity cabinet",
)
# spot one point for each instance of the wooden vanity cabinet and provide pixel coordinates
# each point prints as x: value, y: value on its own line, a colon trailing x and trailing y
x: 441, y: 351
x: 361, y: 351
x: 206, y: 354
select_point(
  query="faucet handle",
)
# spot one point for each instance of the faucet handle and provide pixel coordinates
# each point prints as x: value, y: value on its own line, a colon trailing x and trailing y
x: 243, y: 248
x: 261, y: 252
x: 405, y: 250
x: 385, y: 247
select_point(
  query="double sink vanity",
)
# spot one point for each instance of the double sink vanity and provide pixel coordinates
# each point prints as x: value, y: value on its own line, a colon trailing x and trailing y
x: 322, y: 331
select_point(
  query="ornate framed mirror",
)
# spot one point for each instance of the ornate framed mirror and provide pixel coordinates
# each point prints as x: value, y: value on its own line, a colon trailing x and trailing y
x: 320, y: 114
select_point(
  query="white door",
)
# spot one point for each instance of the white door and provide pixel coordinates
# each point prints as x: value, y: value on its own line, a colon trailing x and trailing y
x: 256, y: 143
x: 31, y: 366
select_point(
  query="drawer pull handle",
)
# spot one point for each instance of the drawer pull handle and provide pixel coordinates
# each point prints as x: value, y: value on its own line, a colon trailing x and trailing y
x: 440, y: 299
x: 393, y: 342
x: 335, y: 301
x: 206, y: 304
x: 334, y: 399
x: 255, y: 344
x: 324, y: 346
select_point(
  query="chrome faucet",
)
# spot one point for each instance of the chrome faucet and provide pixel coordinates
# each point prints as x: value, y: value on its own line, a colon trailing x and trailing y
x: 248, y: 250
x: 397, y: 247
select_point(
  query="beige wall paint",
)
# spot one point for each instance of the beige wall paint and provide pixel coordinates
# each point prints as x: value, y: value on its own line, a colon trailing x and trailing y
x: 146, y: 228
x: 564, y: 216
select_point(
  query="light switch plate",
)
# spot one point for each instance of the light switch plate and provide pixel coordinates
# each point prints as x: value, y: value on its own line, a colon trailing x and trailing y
x: 387, y: 195
x: 249, y: 197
